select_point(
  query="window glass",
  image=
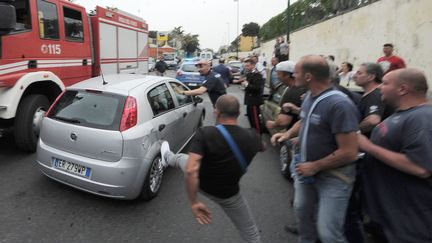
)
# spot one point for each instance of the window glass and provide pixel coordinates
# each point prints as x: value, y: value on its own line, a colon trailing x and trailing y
x: 73, y: 25
x: 22, y: 12
x: 48, y: 20
x: 90, y: 109
x: 160, y: 99
x: 189, y: 68
x: 182, y: 99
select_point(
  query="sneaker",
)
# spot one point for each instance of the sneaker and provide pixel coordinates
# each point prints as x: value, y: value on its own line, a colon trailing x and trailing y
x: 165, y: 149
x: 291, y: 228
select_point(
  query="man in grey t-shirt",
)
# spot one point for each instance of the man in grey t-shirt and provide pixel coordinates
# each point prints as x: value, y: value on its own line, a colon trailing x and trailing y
x: 324, y: 174
x: 397, y: 169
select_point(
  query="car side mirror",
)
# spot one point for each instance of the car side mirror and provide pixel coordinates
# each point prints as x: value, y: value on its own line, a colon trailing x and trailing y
x: 7, y: 18
x: 197, y: 100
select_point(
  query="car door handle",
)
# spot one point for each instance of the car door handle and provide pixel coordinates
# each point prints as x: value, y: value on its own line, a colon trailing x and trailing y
x: 161, y: 127
x: 184, y: 114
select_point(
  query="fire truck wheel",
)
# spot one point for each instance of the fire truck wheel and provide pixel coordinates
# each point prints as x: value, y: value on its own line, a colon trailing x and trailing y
x: 28, y: 120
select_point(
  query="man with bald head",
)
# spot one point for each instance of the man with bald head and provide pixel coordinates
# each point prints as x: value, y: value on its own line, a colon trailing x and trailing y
x: 213, y: 168
x: 213, y: 83
x: 324, y: 170
x: 397, y: 169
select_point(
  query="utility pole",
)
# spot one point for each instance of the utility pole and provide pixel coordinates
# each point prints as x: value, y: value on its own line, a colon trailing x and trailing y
x: 288, y: 27
x: 157, y: 45
x: 238, y: 36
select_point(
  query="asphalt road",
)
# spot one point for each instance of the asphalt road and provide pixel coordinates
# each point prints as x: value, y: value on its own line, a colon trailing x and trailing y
x: 34, y: 208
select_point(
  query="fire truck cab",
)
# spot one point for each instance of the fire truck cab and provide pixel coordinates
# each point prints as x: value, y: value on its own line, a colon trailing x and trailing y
x: 47, y: 45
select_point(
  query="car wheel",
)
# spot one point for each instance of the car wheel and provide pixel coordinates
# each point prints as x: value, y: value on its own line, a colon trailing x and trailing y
x: 285, y: 161
x: 153, y: 180
x: 28, y: 121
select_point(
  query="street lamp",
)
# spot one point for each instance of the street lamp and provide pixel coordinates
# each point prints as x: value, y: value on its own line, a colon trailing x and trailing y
x: 238, y: 37
x: 288, y: 26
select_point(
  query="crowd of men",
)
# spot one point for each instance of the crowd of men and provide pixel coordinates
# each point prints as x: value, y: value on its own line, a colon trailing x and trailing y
x: 356, y: 156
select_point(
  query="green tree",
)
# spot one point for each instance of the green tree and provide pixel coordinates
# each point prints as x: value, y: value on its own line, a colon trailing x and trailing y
x: 251, y: 29
x: 190, y: 44
x: 152, y: 34
x: 175, y: 36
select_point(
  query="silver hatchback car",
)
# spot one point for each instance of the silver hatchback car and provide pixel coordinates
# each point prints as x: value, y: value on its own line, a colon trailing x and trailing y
x: 103, y: 136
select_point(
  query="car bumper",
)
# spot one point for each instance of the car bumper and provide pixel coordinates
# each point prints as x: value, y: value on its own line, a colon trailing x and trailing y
x: 108, y: 179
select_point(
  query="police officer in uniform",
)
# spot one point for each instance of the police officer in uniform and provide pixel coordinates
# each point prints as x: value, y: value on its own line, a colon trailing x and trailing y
x: 213, y: 84
x: 254, y: 87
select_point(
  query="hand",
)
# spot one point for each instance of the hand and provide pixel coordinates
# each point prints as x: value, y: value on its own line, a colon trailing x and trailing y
x: 270, y: 124
x: 279, y: 137
x: 295, y: 141
x: 289, y: 107
x: 307, y: 169
x: 363, y: 142
x: 245, y: 83
x: 201, y: 213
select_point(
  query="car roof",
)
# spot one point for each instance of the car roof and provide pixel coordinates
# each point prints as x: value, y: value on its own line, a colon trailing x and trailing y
x: 118, y: 83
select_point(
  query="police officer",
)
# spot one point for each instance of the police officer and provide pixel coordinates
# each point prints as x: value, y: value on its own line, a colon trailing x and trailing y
x: 254, y: 86
x: 213, y: 84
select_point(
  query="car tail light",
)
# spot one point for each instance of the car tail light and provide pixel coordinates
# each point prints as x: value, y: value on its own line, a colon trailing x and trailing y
x: 179, y: 73
x: 130, y: 114
x: 55, y: 102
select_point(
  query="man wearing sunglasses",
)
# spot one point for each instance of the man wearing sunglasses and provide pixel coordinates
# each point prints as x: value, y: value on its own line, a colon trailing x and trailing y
x: 213, y: 84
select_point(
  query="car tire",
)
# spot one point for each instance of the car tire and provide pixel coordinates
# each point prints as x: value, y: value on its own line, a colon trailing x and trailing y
x: 28, y: 119
x: 285, y: 161
x: 153, y: 180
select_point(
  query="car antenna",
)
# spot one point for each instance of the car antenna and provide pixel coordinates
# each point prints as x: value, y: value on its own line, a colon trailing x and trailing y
x: 103, y: 79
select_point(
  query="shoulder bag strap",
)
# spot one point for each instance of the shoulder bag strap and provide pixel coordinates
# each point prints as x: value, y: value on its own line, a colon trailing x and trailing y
x: 235, y: 149
x: 303, y: 146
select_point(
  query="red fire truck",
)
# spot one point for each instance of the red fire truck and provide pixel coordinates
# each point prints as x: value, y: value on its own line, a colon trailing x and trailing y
x: 46, y: 45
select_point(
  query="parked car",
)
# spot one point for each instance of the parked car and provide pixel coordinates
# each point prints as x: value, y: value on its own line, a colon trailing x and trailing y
x: 103, y: 136
x: 236, y: 67
x: 189, y: 75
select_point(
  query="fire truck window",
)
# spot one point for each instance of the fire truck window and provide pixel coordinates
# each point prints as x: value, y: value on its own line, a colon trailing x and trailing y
x: 73, y: 25
x: 48, y: 20
x: 22, y: 12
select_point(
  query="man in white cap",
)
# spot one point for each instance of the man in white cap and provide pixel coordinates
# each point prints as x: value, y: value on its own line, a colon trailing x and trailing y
x: 291, y: 100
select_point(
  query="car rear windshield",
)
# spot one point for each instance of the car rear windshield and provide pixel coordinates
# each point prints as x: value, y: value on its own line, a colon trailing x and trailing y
x: 189, y: 68
x: 90, y: 109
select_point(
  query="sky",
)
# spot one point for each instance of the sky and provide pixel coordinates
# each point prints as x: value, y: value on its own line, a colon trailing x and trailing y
x: 214, y: 21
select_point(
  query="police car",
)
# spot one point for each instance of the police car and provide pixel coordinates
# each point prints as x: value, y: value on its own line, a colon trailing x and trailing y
x: 189, y: 75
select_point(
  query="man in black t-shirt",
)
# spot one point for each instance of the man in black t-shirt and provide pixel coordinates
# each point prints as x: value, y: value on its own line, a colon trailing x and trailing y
x: 212, y: 168
x: 371, y: 106
x: 161, y: 67
x: 291, y: 100
x: 213, y: 84
x: 398, y: 165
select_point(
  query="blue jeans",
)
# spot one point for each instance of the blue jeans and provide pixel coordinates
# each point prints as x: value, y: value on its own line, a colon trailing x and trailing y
x: 321, y: 207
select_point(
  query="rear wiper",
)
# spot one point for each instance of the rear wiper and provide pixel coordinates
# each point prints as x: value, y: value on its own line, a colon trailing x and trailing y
x: 75, y: 121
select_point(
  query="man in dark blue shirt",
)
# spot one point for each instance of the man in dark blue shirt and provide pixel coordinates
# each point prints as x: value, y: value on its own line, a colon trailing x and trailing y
x: 213, y: 83
x: 223, y: 71
x: 398, y: 166
x: 324, y: 170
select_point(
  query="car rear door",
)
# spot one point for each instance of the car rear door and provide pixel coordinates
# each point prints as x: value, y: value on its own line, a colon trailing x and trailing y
x: 87, y: 124
x: 166, y: 120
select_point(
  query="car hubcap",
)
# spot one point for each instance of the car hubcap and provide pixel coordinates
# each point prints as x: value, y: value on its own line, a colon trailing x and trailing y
x: 37, y: 120
x: 156, y: 174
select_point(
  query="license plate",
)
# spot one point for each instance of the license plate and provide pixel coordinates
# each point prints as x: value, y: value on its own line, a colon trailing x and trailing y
x: 72, y: 168
x: 192, y: 84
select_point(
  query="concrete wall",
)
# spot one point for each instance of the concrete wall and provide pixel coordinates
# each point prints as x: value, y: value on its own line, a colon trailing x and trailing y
x: 358, y: 36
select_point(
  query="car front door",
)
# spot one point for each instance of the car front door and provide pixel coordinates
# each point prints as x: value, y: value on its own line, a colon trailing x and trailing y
x: 187, y: 111
x: 166, y: 120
